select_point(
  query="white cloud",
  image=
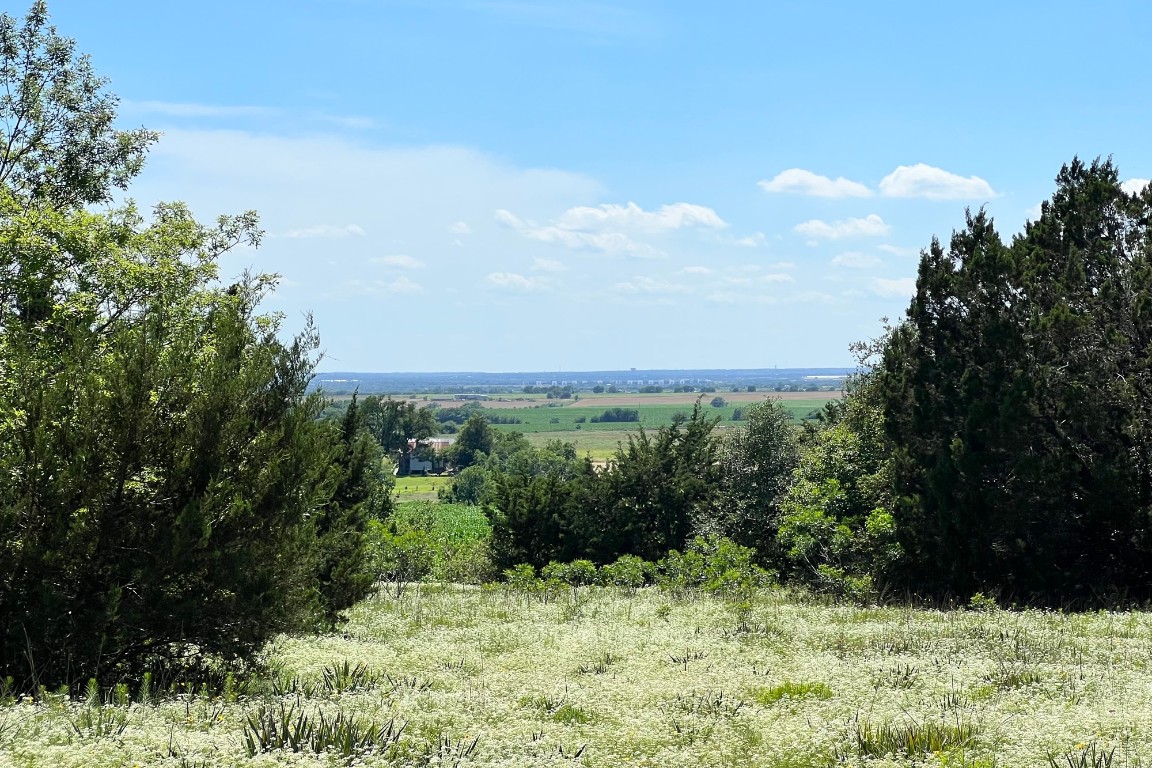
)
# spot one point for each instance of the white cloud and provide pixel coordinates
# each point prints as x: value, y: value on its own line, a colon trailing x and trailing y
x: 511, y: 281
x: 776, y: 277
x: 400, y: 260
x: 399, y: 285
x: 460, y: 228
x: 633, y: 217
x: 1034, y: 212
x: 609, y: 228
x: 854, y: 260
x: 898, y: 288
x: 801, y: 182
x: 649, y: 285
x: 177, y: 109
x: 870, y: 226
x: 896, y: 250
x: 547, y: 265
x: 696, y: 271
x: 754, y: 240
x: 933, y: 183
x: 1134, y: 186
x: 325, y: 230
x: 738, y: 280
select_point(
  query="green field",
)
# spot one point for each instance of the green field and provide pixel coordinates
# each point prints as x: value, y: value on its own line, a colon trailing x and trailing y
x: 543, y: 423
x: 418, y: 487
x: 604, y: 678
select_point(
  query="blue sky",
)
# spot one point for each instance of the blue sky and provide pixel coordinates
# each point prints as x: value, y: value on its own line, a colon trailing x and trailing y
x: 503, y: 185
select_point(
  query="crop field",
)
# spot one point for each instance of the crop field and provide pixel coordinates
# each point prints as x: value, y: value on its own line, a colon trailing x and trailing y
x: 652, y: 415
x: 604, y: 677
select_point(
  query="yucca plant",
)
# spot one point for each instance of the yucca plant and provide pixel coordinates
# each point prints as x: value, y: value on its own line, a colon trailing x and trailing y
x: 913, y: 739
x: 290, y: 727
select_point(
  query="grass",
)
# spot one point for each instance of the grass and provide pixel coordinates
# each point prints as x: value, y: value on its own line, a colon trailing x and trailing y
x: 418, y: 487
x: 487, y: 676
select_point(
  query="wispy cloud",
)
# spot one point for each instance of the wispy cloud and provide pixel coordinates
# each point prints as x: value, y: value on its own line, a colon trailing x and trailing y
x: 511, y: 281
x: 540, y: 264
x: 650, y: 285
x: 326, y: 230
x: 798, y: 181
x: 854, y: 260
x: 460, y: 228
x: 776, y: 277
x: 933, y: 183
x: 400, y: 260
x: 696, y: 270
x: 870, y: 226
x: 400, y: 286
x: 899, y: 287
x: 183, y: 109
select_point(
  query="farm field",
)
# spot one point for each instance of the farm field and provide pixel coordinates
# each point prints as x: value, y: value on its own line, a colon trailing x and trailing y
x: 599, y: 440
x: 602, y: 678
x: 418, y: 487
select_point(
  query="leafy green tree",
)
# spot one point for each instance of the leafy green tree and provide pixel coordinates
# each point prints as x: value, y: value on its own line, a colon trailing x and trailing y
x: 167, y: 493
x: 654, y: 491
x: 1018, y: 392
x: 58, y: 141
x: 474, y: 441
x: 757, y: 463
x: 395, y: 422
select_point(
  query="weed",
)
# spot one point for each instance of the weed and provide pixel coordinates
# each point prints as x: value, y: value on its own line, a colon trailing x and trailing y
x: 1083, y: 756
x: 343, y: 677
x: 688, y: 655
x: 791, y: 690
x: 898, y: 677
x: 1010, y: 675
x: 598, y: 667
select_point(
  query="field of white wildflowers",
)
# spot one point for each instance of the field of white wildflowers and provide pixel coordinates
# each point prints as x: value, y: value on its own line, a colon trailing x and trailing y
x: 456, y: 675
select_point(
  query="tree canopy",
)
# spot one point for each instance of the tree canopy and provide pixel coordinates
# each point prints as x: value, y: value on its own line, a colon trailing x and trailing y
x: 1018, y: 396
x: 167, y: 493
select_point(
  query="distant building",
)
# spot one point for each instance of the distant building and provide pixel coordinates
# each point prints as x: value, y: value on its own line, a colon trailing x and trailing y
x: 423, y: 457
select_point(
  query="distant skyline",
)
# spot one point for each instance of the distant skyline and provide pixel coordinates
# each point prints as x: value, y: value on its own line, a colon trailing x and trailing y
x: 503, y: 185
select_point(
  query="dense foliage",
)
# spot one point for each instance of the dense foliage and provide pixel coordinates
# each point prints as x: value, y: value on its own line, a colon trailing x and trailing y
x: 167, y: 494
x: 1018, y: 397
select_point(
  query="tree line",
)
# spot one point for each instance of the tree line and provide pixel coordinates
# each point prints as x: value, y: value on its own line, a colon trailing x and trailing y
x: 994, y: 440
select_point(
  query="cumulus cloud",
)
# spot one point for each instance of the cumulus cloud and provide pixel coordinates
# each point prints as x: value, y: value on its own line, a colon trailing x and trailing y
x: 696, y: 271
x: 898, y: 288
x: 510, y: 281
x: 547, y: 265
x: 1134, y: 186
x: 400, y: 260
x: 853, y: 260
x: 460, y: 228
x: 325, y: 230
x: 921, y: 180
x: 632, y: 216
x: 776, y: 277
x: 870, y: 226
x: 609, y: 228
x: 798, y: 181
